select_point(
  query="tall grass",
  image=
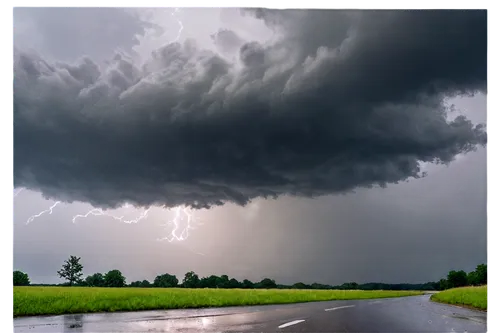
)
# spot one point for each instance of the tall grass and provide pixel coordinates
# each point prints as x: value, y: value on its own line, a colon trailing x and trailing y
x: 29, y: 301
x: 475, y: 297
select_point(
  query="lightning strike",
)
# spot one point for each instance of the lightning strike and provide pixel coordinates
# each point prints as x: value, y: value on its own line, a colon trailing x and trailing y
x: 182, y: 222
x: 13, y: 194
x: 100, y: 212
x: 179, y: 233
x: 181, y: 26
x: 19, y: 191
x: 43, y: 212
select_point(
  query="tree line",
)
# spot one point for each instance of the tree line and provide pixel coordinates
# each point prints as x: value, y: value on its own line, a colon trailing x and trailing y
x: 72, y: 272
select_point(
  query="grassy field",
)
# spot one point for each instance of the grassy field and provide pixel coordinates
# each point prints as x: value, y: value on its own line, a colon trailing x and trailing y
x: 475, y: 297
x: 30, y: 301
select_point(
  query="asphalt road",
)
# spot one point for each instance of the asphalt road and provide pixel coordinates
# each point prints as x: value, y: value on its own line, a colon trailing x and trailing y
x: 406, y: 314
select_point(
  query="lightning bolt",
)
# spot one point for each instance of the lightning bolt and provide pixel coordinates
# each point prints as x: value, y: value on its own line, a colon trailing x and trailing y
x: 17, y: 193
x: 12, y: 195
x: 180, y: 233
x: 181, y: 26
x: 43, y: 212
x: 182, y: 222
x: 100, y: 212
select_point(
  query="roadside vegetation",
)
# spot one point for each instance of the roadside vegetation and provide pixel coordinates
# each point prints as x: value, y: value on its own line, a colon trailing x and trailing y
x: 465, y: 289
x: 105, y: 292
x: 474, y: 297
x: 30, y: 301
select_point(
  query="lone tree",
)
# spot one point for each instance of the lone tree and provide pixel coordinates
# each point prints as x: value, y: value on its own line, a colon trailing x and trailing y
x: 21, y: 279
x: 71, y: 270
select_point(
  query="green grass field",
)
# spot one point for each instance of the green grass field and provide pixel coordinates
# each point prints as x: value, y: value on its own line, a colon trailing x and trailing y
x: 30, y: 301
x: 475, y: 297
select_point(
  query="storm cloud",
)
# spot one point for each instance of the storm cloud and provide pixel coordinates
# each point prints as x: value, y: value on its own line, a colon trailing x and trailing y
x: 339, y: 100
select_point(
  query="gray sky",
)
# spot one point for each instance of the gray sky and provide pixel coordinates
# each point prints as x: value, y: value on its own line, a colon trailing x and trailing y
x: 309, y: 107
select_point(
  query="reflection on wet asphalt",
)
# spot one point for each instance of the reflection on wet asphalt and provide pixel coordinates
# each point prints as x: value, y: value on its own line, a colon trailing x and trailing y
x: 408, y: 314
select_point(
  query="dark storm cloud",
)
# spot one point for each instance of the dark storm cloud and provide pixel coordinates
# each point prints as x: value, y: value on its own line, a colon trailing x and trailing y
x: 342, y: 100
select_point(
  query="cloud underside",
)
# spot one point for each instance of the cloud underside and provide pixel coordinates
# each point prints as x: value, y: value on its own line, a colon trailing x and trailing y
x: 340, y: 100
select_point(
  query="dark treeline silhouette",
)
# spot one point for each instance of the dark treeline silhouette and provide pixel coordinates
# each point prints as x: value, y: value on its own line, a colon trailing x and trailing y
x: 72, y: 273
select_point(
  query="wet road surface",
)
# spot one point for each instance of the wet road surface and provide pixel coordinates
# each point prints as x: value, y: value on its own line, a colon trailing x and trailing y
x: 405, y: 314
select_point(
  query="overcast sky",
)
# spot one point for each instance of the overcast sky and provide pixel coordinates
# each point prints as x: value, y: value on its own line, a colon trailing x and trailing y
x: 298, y: 137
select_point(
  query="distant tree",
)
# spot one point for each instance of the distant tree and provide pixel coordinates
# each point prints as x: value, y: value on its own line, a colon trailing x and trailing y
x: 433, y: 286
x: 222, y: 281
x: 283, y: 286
x: 114, y: 279
x: 299, y: 285
x: 369, y: 286
x: 425, y: 286
x: 457, y: 279
x: 140, y: 284
x: 95, y: 280
x: 233, y: 283
x: 145, y: 284
x: 191, y: 280
x: 166, y: 281
x: 247, y: 284
x: 204, y: 282
x: 482, y: 274
x: 443, y: 284
x: 319, y: 286
x: 350, y: 286
x: 266, y: 283
x: 209, y: 281
x: 21, y: 279
x: 472, y: 279
x: 81, y: 283
x: 71, y: 270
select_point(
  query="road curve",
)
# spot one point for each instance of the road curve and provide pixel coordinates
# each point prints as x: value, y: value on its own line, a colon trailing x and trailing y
x: 405, y: 314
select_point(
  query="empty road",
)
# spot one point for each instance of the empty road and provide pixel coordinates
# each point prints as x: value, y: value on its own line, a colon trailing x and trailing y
x: 406, y: 314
